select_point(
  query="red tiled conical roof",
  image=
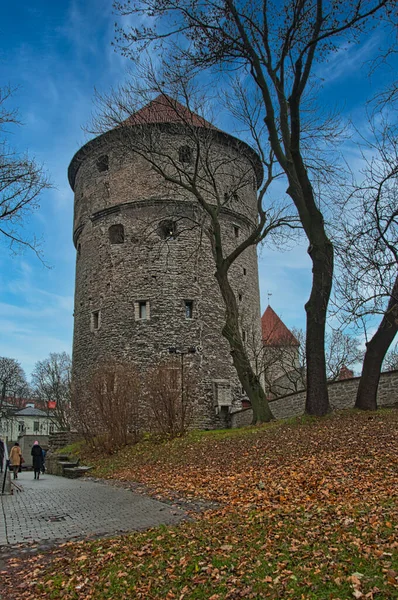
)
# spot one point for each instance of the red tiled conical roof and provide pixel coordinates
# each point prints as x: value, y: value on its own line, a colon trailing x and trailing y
x: 164, y: 109
x: 274, y: 331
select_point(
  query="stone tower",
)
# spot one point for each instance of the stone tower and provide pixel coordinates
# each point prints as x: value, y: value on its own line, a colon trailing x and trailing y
x: 145, y: 268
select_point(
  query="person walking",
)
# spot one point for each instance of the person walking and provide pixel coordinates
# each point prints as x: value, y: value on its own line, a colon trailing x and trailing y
x: 1, y: 455
x: 15, y: 459
x: 37, y: 454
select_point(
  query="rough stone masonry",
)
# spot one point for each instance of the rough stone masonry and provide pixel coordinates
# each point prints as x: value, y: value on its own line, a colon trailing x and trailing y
x: 145, y: 267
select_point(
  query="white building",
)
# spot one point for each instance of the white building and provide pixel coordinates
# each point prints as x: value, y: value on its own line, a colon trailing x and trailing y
x: 27, y: 421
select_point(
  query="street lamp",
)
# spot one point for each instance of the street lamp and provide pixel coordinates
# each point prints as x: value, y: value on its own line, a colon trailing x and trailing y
x: 182, y: 353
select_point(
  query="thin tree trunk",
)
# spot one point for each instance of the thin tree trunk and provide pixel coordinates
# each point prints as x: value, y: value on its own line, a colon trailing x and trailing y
x: 376, y: 350
x: 249, y: 380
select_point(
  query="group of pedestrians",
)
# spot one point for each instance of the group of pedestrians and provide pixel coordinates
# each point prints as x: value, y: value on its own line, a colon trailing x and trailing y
x: 17, y: 460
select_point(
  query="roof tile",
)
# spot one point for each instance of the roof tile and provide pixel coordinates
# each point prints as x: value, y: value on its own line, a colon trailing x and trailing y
x: 274, y: 331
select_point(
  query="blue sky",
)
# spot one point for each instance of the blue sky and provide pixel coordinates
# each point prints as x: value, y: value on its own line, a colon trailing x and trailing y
x: 54, y: 54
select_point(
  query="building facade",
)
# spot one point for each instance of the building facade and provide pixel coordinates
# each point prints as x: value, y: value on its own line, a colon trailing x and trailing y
x: 145, y: 271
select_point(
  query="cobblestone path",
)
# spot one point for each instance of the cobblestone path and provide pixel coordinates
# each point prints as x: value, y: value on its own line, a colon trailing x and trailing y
x: 55, y: 508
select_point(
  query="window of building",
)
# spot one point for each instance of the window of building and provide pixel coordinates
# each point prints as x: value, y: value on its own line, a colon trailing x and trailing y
x: 79, y: 249
x: 95, y: 320
x: 21, y: 426
x: 36, y: 426
x: 189, y: 309
x: 236, y: 231
x: 244, y: 271
x: 167, y: 230
x: 51, y: 428
x: 103, y: 163
x: 116, y: 234
x: 240, y: 297
x: 185, y: 155
x: 243, y: 335
x: 141, y: 309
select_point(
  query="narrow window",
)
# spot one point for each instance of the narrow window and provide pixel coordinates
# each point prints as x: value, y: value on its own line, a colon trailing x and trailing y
x: 116, y: 234
x: 103, y: 163
x: 244, y: 271
x: 79, y: 249
x: 95, y: 320
x: 21, y: 426
x: 188, y: 309
x: 185, y: 155
x: 243, y: 335
x: 36, y: 426
x: 167, y: 230
x: 240, y: 297
x: 236, y: 231
x: 141, y: 310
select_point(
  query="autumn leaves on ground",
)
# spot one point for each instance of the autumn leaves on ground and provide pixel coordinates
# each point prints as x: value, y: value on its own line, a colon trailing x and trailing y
x: 306, y: 509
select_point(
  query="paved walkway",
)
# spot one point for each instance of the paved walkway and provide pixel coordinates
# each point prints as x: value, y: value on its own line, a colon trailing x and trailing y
x: 56, y: 508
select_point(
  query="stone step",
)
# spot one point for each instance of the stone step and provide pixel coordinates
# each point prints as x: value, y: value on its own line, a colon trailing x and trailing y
x: 74, y: 472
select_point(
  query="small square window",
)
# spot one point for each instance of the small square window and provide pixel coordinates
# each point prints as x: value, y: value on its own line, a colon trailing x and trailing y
x: 188, y: 309
x: 185, y: 155
x: 95, y: 320
x: 103, y: 163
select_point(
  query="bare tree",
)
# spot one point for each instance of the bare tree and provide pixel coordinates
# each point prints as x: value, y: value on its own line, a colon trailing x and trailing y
x: 342, y: 350
x: 276, y: 45
x: 170, y: 393
x: 107, y: 411
x: 51, y: 383
x: 201, y: 179
x: 283, y: 365
x: 12, y: 379
x: 391, y: 360
x: 369, y: 252
x: 22, y: 180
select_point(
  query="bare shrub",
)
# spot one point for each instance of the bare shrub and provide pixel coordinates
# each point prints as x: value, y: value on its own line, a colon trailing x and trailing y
x: 107, y: 413
x: 170, y: 392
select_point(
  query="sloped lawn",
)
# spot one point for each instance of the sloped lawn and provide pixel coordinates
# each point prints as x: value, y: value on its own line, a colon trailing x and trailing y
x: 307, y: 510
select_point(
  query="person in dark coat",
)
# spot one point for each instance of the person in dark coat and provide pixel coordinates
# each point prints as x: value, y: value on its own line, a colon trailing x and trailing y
x: 1, y: 455
x: 37, y: 454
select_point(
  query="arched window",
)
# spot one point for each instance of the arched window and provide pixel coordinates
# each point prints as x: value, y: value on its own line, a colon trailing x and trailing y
x: 116, y: 234
x: 103, y: 163
x: 167, y: 230
x: 185, y: 155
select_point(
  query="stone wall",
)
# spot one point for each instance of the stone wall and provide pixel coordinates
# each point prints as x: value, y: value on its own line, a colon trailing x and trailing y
x: 342, y: 395
x: 61, y: 439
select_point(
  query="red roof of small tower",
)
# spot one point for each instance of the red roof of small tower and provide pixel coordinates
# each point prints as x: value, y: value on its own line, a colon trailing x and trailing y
x: 164, y: 109
x: 274, y: 331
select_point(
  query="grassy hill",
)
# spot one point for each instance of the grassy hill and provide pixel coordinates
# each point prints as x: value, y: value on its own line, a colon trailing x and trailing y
x: 306, y: 509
